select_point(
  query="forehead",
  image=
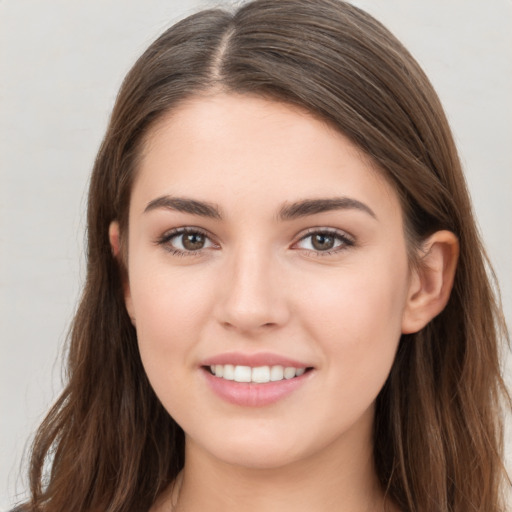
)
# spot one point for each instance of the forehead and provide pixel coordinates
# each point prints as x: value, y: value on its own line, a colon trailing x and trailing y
x: 225, y: 146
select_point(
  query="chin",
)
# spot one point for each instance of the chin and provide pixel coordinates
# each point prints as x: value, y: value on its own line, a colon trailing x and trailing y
x: 259, y: 458
x: 251, y: 453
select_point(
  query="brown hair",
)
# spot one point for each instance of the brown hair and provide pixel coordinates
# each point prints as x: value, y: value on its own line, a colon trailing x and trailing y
x: 109, y: 443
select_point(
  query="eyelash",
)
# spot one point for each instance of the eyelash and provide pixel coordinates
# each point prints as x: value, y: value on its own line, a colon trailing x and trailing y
x: 345, y: 240
x: 166, y: 238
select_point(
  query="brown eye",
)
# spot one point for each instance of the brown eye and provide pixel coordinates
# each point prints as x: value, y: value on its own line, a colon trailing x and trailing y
x: 186, y: 241
x: 322, y: 241
x: 193, y: 241
x: 327, y: 242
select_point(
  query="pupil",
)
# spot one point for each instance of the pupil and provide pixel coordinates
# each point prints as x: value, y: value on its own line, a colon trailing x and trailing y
x: 193, y: 241
x: 323, y: 242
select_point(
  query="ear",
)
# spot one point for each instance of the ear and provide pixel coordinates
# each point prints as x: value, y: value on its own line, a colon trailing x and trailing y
x: 115, y: 245
x: 432, y: 281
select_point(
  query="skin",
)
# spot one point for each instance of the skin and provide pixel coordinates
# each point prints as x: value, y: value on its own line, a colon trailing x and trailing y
x: 258, y: 284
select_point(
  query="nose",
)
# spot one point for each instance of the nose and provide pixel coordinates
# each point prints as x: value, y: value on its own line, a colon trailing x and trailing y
x: 254, y: 293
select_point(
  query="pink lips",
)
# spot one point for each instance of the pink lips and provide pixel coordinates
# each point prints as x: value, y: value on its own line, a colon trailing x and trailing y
x: 253, y: 394
x: 257, y: 359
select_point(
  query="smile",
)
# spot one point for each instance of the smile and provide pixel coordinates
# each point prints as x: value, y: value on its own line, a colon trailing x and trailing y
x: 255, y: 380
x: 257, y: 375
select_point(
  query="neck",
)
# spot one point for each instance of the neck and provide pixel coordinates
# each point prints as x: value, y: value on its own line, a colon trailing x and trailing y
x: 341, y: 478
x: 273, y: 490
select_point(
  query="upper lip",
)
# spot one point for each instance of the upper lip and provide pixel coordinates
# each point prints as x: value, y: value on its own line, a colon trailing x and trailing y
x: 253, y: 360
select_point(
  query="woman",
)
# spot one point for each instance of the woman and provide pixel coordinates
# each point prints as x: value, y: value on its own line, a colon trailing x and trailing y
x: 286, y: 302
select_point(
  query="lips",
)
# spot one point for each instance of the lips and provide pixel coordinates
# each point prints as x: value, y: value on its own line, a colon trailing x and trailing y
x: 253, y: 360
x: 254, y: 380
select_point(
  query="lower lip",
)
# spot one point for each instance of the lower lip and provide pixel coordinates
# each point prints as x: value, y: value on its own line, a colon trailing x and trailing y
x: 250, y: 394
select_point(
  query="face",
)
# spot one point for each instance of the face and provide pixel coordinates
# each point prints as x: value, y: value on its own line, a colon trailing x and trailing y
x: 267, y: 280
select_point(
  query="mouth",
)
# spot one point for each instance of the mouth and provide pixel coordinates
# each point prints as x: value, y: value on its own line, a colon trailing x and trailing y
x: 255, y: 380
x: 256, y: 374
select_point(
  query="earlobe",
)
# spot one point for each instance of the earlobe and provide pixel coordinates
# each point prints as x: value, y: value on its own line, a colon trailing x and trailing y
x: 432, y: 281
x: 115, y: 245
x: 113, y: 235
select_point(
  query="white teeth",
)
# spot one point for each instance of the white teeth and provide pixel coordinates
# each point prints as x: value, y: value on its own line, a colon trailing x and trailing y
x: 276, y: 373
x: 228, y: 373
x: 289, y: 372
x: 259, y: 374
x: 242, y: 374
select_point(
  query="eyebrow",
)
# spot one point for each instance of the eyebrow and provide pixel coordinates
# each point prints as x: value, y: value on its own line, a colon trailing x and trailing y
x: 186, y: 205
x: 314, y: 206
x: 290, y: 211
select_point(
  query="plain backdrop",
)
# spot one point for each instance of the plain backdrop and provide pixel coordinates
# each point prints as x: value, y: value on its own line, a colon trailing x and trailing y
x: 61, y: 63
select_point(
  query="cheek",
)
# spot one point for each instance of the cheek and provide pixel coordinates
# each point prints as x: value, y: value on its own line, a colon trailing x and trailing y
x: 170, y: 311
x: 356, y: 316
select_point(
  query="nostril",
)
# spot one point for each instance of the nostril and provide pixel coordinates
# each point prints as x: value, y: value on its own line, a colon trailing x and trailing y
x: 247, y: 325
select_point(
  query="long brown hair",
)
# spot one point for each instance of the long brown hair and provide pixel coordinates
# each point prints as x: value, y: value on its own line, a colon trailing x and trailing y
x: 109, y: 445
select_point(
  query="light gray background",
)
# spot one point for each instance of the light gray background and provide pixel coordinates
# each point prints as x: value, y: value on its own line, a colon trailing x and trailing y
x: 61, y: 63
